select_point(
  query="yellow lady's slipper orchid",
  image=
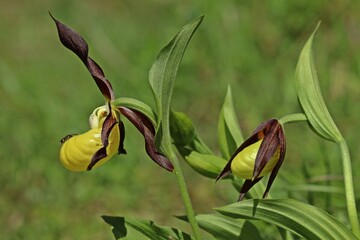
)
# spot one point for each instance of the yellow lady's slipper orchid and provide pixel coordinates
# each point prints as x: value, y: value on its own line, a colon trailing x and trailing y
x: 243, y: 163
x: 77, y: 151
x: 262, y: 153
x: 106, y: 136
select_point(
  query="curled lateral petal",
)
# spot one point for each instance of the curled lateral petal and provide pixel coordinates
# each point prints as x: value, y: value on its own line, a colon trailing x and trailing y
x: 143, y: 124
x: 274, y: 172
x: 246, y: 187
x: 74, y: 42
x: 268, y: 146
x: 108, y: 125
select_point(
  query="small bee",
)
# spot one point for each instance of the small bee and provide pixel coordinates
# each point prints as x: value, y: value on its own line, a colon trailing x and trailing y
x: 67, y: 137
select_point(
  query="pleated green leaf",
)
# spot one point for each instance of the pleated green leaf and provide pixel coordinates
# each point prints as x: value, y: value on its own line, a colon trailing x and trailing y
x: 225, y: 228
x: 229, y: 133
x: 309, y: 94
x: 138, y: 229
x: 303, y: 219
x: 163, y: 73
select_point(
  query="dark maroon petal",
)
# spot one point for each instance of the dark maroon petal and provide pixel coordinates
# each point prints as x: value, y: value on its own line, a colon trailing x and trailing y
x: 100, y: 154
x: 142, y: 123
x: 268, y: 147
x: 278, y: 164
x: 109, y: 123
x: 246, y: 187
x: 255, y: 136
x: 121, y: 149
x: 262, y: 126
x: 73, y: 41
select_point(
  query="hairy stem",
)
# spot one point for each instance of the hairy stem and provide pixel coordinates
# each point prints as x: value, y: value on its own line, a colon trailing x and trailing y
x: 349, y: 188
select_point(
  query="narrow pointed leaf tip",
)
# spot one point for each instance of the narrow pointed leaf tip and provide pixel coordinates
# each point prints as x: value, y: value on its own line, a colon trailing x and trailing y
x: 309, y: 94
x: 76, y: 43
x: 229, y: 133
x: 163, y: 72
x: 164, y: 69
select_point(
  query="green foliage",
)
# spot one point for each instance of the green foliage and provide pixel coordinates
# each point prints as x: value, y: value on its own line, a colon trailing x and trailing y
x: 307, y: 221
x: 310, y: 97
x: 162, y: 76
x: 224, y: 228
x: 229, y: 133
x: 137, y: 105
x: 133, y: 229
x: 206, y: 164
x: 181, y: 129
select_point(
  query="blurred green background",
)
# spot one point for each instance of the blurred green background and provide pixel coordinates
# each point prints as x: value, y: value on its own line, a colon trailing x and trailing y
x: 46, y: 93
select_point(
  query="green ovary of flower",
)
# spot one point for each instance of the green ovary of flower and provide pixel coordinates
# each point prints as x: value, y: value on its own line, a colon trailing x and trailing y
x: 243, y: 163
x: 76, y: 152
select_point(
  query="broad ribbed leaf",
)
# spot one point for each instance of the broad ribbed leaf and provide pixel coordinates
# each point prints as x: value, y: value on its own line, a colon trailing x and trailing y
x: 301, y: 218
x: 163, y: 73
x: 309, y: 94
x: 225, y: 228
x: 138, y: 229
x: 229, y: 133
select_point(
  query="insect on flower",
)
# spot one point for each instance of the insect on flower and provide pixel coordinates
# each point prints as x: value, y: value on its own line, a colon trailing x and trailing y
x: 106, y: 137
x: 262, y: 153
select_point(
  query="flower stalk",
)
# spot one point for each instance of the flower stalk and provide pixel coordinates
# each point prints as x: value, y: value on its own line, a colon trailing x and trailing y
x: 291, y: 118
x: 349, y: 188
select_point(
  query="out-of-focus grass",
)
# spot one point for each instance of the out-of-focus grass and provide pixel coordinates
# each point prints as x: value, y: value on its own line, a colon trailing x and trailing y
x: 46, y: 93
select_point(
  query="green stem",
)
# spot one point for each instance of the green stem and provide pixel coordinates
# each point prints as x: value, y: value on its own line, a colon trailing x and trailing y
x: 347, y: 172
x: 349, y: 188
x: 169, y: 151
x: 291, y: 118
x: 185, y: 196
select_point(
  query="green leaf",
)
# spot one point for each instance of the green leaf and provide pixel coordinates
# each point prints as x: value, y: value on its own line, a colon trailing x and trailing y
x: 163, y: 73
x: 301, y: 218
x: 138, y: 229
x: 136, y: 105
x: 229, y: 133
x: 198, y: 145
x: 207, y: 165
x: 225, y: 228
x: 309, y: 94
